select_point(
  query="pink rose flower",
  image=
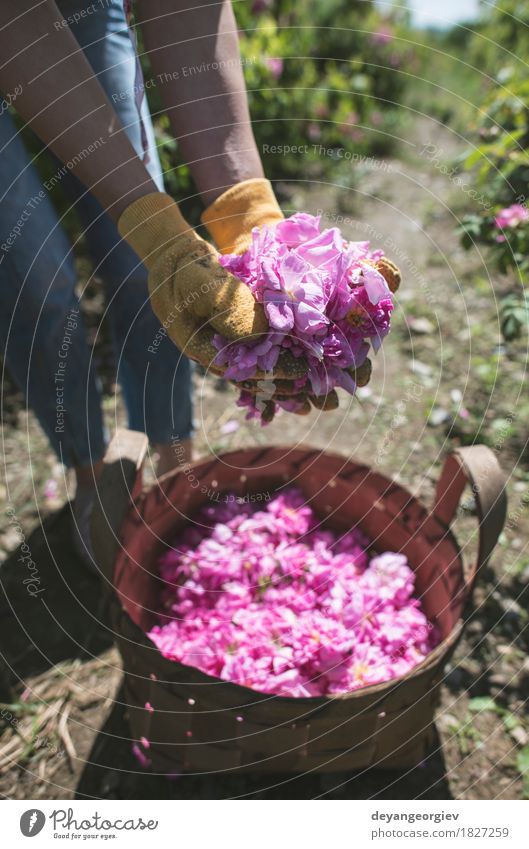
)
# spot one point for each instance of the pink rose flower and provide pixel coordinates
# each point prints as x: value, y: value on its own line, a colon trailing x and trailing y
x: 275, y: 66
x: 323, y: 297
x: 511, y: 216
x: 382, y: 36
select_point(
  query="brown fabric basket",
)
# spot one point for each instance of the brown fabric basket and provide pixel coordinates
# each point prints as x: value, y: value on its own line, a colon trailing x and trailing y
x: 202, y: 724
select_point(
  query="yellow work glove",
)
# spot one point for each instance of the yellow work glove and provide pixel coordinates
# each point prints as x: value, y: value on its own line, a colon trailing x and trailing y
x: 191, y: 294
x: 230, y: 220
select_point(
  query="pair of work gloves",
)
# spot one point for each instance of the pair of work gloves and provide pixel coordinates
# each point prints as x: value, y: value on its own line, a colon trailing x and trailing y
x: 194, y: 297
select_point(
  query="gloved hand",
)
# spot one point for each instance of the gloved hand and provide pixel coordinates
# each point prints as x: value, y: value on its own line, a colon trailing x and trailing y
x: 191, y: 294
x: 230, y: 220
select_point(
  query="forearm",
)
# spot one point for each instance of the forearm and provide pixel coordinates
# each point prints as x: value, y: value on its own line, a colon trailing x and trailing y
x: 63, y: 102
x: 208, y: 109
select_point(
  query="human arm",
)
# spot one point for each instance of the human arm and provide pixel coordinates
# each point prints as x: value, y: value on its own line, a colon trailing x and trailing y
x: 62, y: 101
x: 194, y: 53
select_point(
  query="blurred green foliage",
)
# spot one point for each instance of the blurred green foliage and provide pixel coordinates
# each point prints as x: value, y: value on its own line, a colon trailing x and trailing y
x: 445, y: 85
x: 325, y: 74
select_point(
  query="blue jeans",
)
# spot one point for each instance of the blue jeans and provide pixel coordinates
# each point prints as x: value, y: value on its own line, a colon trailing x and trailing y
x: 41, y: 328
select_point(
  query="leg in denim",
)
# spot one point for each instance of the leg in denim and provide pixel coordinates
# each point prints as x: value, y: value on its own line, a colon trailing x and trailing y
x: 37, y: 278
x: 155, y: 377
x: 41, y: 329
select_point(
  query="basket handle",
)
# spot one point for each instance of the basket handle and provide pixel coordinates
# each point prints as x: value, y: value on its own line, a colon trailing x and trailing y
x: 119, y: 483
x: 478, y: 466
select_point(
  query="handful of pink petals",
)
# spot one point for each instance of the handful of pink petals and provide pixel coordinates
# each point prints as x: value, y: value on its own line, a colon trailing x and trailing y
x: 327, y: 301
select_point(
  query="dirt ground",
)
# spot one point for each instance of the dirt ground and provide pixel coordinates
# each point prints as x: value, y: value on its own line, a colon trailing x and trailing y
x: 443, y: 378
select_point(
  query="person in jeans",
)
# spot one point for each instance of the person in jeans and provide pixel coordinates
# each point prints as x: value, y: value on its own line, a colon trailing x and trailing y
x: 41, y: 327
x: 71, y: 68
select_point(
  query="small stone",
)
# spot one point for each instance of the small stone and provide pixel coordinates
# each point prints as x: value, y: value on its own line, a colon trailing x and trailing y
x: 438, y: 416
x: 364, y: 392
x: 230, y: 426
x: 420, y: 368
x: 499, y: 679
x: 519, y: 735
x: 10, y: 539
x: 446, y: 721
x: 509, y: 605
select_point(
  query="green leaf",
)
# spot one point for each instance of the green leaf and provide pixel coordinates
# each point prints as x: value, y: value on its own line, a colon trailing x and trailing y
x: 522, y: 761
x: 474, y: 157
x: 483, y: 703
x: 510, y: 721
